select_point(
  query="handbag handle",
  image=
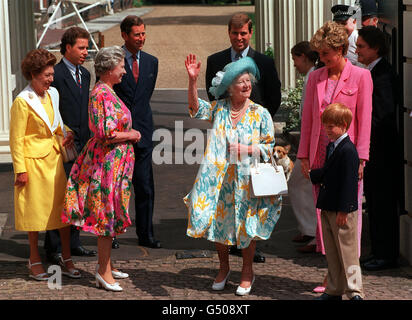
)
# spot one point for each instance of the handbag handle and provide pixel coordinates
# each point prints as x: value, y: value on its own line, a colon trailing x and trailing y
x: 272, y: 159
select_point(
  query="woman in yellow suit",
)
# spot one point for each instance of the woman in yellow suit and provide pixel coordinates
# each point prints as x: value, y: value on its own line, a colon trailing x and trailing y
x: 40, y: 180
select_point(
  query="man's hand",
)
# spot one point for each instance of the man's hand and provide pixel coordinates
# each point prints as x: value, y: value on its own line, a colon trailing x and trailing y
x: 341, y: 219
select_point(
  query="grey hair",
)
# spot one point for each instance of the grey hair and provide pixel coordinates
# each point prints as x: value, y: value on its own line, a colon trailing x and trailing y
x: 251, y: 76
x: 107, y: 59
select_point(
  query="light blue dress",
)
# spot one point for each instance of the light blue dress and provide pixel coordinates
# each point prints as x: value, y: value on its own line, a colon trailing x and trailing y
x: 220, y: 207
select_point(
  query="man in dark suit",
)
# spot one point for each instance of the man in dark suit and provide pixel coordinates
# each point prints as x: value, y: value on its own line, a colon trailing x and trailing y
x: 267, y: 91
x: 338, y: 201
x: 72, y: 81
x: 135, y: 91
x: 383, y: 171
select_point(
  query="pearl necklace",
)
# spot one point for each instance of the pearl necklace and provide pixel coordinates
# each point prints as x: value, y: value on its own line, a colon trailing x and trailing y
x: 234, y: 114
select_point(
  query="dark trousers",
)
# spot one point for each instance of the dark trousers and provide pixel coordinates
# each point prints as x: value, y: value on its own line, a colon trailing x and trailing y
x: 143, y: 185
x: 52, y: 242
x: 381, y: 187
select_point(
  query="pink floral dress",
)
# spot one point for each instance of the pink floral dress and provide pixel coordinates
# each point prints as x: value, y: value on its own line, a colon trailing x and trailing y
x: 99, y: 185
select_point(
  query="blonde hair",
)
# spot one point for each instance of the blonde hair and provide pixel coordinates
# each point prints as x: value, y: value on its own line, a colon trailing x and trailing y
x: 337, y: 114
x: 332, y: 35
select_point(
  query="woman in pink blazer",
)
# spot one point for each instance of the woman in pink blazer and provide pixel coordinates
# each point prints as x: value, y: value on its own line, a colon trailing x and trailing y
x: 338, y: 81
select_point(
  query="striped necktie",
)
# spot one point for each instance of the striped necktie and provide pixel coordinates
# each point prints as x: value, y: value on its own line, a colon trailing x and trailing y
x: 79, y: 84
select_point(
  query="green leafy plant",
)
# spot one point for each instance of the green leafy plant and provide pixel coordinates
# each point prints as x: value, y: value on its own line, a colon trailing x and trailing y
x: 269, y: 51
x: 291, y: 99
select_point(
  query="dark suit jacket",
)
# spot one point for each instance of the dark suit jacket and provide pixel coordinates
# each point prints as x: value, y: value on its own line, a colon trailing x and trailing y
x: 74, y: 102
x: 267, y: 90
x: 137, y: 96
x: 384, y: 133
x: 338, y: 179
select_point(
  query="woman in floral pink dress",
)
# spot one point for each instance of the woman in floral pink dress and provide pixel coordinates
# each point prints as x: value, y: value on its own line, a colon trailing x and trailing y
x: 99, y: 186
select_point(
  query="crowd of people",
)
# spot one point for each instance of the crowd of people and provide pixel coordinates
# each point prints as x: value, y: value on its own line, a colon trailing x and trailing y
x: 348, y: 114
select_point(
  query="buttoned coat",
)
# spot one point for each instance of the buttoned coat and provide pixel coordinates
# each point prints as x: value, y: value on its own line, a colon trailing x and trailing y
x: 338, y: 179
x: 354, y: 89
x: 74, y: 102
x: 136, y: 96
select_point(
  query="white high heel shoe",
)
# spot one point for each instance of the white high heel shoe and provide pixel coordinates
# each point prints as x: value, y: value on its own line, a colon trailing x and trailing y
x: 219, y: 286
x: 116, y: 274
x: 111, y: 287
x: 244, y: 291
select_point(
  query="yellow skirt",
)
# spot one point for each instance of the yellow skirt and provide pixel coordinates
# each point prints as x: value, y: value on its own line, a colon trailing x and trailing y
x: 39, y: 204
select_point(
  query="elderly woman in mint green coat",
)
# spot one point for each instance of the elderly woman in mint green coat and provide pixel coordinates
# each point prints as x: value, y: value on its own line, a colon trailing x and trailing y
x: 220, y: 205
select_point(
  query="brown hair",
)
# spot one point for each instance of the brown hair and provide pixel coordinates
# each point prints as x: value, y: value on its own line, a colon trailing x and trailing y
x: 375, y: 39
x: 238, y: 20
x: 337, y: 114
x: 129, y: 22
x: 303, y: 48
x: 70, y: 37
x: 35, y: 61
x: 332, y: 35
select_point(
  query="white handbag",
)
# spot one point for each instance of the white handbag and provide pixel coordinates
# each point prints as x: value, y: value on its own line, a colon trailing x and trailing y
x: 267, y: 179
x: 68, y: 153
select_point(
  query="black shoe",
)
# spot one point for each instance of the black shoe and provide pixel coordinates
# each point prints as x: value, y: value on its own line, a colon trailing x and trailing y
x: 356, y: 298
x: 379, y: 264
x: 259, y: 257
x: 115, y: 243
x: 235, y: 251
x: 326, y: 296
x: 54, y: 258
x: 81, y: 251
x: 150, y: 243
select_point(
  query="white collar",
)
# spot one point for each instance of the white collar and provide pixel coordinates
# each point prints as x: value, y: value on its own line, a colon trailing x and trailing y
x: 339, y: 140
x: 30, y: 96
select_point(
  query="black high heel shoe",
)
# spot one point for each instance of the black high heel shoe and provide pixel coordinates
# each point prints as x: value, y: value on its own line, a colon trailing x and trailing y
x: 115, y: 243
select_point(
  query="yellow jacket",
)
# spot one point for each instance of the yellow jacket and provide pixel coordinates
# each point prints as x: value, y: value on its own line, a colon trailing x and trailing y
x: 31, y: 133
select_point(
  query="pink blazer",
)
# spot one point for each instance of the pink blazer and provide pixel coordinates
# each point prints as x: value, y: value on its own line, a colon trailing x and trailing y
x: 354, y: 89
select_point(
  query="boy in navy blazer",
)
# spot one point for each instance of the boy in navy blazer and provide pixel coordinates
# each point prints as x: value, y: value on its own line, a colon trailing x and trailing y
x: 338, y: 201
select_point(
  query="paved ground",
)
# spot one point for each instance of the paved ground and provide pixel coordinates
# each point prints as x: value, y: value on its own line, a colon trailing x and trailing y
x: 175, y: 31
x: 158, y: 274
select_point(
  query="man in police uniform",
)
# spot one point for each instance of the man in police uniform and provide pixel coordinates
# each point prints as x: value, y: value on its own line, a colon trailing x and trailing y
x: 369, y: 13
x: 343, y: 15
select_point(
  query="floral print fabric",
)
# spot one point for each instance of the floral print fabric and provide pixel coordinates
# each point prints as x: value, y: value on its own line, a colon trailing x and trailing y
x: 99, y: 186
x: 220, y: 206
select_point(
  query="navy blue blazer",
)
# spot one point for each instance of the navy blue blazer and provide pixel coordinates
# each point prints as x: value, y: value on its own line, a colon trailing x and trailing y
x: 338, y: 179
x: 266, y: 92
x: 137, y: 96
x: 73, y: 104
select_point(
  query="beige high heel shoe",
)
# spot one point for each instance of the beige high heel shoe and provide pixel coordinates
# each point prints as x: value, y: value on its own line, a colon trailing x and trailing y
x: 71, y: 273
x: 39, y: 277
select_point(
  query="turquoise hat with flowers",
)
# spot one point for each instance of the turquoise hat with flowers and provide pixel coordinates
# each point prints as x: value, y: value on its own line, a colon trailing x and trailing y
x: 231, y: 71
